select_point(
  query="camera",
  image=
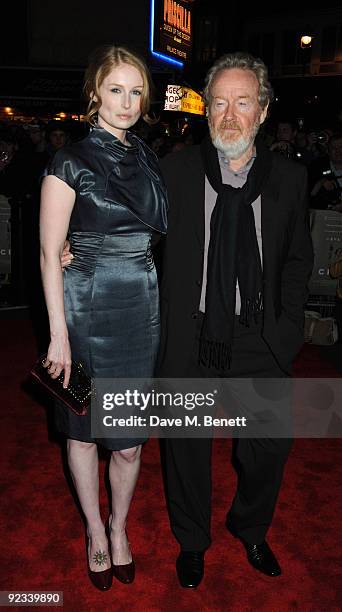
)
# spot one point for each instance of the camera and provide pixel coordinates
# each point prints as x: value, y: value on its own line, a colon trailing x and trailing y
x: 285, y: 148
x: 321, y: 137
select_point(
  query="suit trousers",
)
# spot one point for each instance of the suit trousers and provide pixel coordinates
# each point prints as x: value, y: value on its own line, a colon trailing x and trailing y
x: 259, y: 462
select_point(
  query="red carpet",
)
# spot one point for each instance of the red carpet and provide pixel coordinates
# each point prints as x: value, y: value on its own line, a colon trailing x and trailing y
x: 42, y: 537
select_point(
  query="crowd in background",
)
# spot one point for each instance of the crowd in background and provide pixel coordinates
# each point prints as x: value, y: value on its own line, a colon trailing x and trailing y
x: 26, y: 148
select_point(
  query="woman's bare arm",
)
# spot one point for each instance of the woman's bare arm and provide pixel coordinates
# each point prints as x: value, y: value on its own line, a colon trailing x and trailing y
x: 57, y: 201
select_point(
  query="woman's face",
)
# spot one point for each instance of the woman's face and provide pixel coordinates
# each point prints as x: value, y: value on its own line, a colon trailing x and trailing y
x: 120, y: 94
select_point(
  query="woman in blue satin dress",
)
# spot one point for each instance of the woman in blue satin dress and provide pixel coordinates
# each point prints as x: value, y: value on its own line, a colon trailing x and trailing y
x: 107, y: 193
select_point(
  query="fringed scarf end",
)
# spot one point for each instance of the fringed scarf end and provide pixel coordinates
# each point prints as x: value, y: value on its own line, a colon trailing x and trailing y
x: 216, y: 355
x: 250, y: 308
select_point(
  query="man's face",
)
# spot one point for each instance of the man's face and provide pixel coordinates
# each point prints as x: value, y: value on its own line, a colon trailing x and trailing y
x: 234, y: 113
x: 57, y: 138
x: 36, y: 135
x: 286, y: 132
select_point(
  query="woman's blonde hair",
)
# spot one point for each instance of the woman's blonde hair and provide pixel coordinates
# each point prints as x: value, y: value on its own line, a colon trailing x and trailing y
x: 101, y: 62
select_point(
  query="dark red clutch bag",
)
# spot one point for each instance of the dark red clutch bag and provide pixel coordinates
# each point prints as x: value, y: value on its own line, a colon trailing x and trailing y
x: 76, y: 396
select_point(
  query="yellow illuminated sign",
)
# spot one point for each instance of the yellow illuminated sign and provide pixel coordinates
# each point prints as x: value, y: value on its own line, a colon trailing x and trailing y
x: 183, y: 99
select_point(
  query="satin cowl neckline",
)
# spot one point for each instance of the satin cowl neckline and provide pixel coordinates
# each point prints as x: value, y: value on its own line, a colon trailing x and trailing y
x: 135, y: 180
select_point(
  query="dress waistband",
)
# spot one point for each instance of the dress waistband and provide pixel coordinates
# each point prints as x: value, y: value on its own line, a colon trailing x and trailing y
x: 91, y: 242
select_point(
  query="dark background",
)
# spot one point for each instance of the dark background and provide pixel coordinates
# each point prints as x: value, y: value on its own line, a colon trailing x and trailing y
x: 44, y: 48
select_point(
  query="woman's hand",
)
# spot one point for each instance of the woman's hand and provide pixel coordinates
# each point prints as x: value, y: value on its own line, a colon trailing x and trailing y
x: 59, y: 358
x: 66, y: 257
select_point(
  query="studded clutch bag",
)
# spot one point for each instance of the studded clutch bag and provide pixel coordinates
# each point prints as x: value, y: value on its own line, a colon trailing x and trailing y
x: 76, y: 396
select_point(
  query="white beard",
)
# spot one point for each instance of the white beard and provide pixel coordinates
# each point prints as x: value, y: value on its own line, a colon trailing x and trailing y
x: 237, y: 148
x: 232, y: 150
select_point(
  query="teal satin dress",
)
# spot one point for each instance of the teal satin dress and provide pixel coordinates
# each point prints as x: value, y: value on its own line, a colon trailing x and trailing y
x: 110, y: 288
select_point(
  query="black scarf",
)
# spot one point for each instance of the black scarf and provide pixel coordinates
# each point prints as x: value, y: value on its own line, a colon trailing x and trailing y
x: 233, y: 255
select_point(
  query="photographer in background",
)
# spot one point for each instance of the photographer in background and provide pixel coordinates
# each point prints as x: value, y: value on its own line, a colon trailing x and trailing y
x: 285, y: 139
x: 326, y: 177
x: 292, y: 142
x: 306, y: 148
x: 318, y: 142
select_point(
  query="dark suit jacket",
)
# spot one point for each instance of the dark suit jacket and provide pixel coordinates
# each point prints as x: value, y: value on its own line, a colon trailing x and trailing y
x: 287, y: 259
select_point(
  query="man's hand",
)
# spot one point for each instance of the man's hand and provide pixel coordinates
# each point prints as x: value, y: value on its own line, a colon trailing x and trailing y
x: 328, y: 185
x: 323, y: 183
x: 66, y: 257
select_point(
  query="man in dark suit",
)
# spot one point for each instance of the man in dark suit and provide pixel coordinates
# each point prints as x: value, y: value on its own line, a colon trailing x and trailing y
x: 237, y: 260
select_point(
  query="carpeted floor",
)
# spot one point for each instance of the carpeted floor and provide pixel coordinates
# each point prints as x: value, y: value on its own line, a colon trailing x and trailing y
x: 42, y: 536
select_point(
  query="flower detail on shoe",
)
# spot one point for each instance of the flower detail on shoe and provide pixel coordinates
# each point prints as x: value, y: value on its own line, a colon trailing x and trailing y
x: 100, y: 557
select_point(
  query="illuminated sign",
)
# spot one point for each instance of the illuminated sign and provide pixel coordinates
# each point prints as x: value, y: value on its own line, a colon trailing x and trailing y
x: 171, y: 30
x: 183, y: 99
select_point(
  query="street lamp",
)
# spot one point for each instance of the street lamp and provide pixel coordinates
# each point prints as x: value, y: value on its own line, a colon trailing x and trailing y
x: 305, y: 46
x: 306, y: 41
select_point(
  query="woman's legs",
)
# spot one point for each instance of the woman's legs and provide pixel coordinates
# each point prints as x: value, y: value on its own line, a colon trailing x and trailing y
x: 123, y: 473
x: 83, y: 464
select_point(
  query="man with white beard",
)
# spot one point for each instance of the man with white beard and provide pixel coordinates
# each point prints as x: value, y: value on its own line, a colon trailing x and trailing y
x: 237, y: 260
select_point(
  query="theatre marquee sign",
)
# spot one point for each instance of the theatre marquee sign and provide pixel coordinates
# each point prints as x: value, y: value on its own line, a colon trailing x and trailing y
x: 171, y: 30
x: 183, y: 99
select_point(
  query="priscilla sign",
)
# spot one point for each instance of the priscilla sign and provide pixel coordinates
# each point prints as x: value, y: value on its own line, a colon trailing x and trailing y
x: 171, y: 30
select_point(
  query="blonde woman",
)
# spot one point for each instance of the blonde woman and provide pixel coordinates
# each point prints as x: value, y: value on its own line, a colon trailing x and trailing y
x: 107, y: 194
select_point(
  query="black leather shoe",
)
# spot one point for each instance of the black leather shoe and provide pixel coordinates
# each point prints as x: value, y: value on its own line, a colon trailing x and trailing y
x: 262, y: 558
x: 190, y: 568
x: 101, y: 580
x: 124, y: 573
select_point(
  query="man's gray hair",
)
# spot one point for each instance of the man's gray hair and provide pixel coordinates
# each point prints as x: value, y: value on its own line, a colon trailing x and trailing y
x: 244, y: 61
